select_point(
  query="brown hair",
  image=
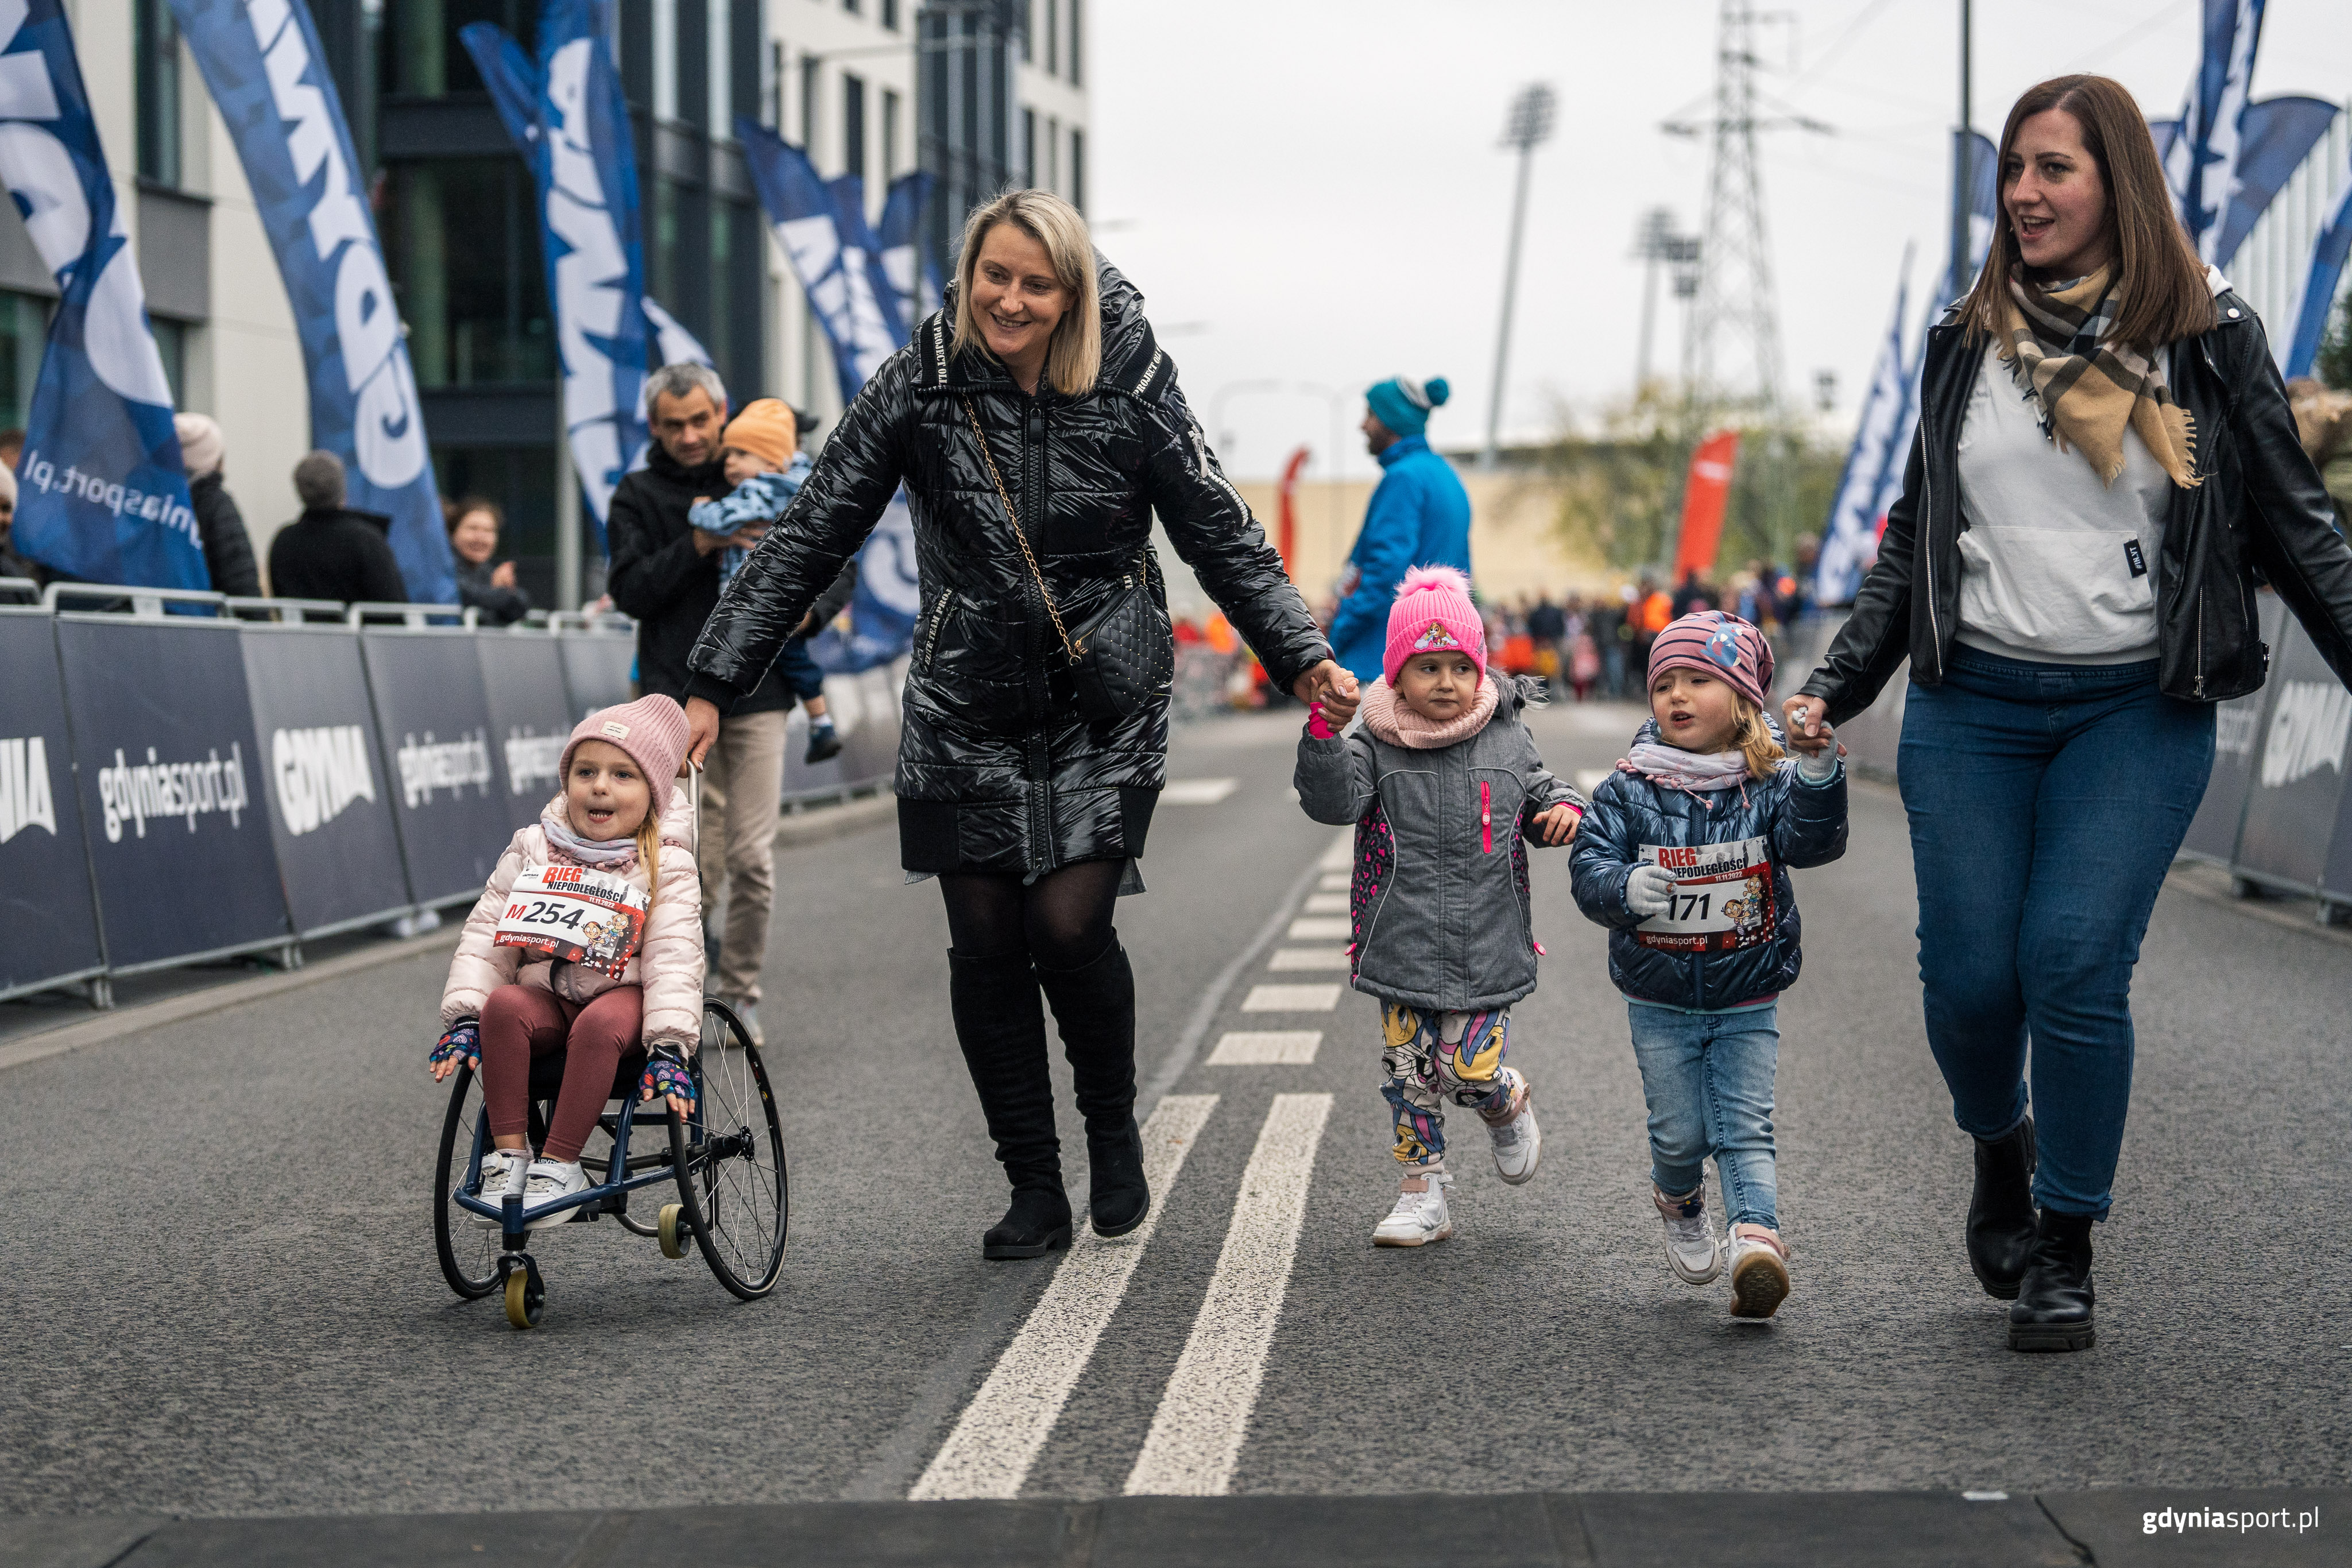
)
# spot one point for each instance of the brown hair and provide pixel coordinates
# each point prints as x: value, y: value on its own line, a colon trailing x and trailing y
x: 2164, y: 294
x: 1754, y: 737
x: 1073, y: 353
x: 456, y: 512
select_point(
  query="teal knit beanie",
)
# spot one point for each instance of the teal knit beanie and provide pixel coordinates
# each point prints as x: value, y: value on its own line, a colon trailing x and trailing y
x: 1404, y: 405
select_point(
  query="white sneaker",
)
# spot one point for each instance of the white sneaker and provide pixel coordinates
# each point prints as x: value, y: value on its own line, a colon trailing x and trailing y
x: 548, y: 1181
x: 1692, y: 1250
x: 1759, y: 1274
x: 750, y: 1013
x: 1419, y: 1217
x: 1518, y: 1142
x: 500, y: 1167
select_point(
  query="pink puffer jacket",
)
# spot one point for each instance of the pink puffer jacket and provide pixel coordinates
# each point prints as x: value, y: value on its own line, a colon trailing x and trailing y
x: 667, y: 962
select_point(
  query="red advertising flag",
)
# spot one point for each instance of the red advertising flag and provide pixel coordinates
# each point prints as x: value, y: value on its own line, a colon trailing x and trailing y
x: 1703, y: 500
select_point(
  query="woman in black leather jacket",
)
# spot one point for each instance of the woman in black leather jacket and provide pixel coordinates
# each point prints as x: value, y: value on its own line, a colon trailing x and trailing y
x: 2106, y: 467
x: 1031, y: 815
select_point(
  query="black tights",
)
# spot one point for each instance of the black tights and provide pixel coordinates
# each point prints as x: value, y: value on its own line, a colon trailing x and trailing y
x: 1062, y: 921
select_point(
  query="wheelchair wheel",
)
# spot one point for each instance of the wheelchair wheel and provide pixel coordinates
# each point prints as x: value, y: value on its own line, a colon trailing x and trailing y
x: 731, y: 1182
x: 469, y: 1252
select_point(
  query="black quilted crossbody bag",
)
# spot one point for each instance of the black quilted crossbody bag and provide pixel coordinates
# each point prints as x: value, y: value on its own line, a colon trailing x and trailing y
x: 1123, y: 658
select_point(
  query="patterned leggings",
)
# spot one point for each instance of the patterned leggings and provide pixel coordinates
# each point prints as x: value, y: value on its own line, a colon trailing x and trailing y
x: 1430, y: 1058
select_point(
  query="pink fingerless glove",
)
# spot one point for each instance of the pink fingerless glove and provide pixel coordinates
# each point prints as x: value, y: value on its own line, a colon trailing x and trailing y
x: 1316, y: 725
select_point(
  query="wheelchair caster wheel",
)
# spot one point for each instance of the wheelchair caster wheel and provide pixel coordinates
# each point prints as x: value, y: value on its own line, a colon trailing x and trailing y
x: 526, y: 1297
x: 677, y: 1235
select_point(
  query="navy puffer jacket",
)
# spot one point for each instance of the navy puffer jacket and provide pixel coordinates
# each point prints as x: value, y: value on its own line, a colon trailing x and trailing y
x: 1733, y: 935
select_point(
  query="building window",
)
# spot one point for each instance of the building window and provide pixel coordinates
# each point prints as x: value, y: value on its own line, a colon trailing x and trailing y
x: 157, y: 45
x: 426, y: 60
x: 661, y: 249
x: 890, y: 147
x: 852, y: 125
x: 773, y: 118
x: 890, y: 14
x: 746, y: 93
x: 462, y: 237
x: 1053, y: 154
x: 1074, y: 56
x: 1053, y: 38
x: 1029, y: 147
x: 171, y: 347
x: 812, y: 76
x: 852, y: 7
x: 1028, y: 29
x: 1078, y: 168
x: 24, y: 333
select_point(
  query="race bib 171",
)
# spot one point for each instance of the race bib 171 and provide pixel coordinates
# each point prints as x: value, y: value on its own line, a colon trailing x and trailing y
x: 576, y: 914
x: 1721, y: 900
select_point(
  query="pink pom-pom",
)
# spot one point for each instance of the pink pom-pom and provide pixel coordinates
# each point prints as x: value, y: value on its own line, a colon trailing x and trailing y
x: 1421, y: 579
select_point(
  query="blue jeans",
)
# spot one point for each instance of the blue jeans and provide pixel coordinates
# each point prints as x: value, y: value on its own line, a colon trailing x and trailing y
x: 2047, y: 801
x: 1708, y: 1081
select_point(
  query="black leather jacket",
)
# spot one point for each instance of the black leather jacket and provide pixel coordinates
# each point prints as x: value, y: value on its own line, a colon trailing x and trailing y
x: 998, y: 772
x: 2260, y: 515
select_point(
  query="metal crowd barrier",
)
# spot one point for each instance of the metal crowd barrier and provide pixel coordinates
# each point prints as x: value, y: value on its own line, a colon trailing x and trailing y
x: 2276, y: 813
x: 187, y: 777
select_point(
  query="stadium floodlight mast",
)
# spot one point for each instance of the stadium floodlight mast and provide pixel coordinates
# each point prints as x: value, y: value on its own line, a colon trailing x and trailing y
x: 1532, y: 113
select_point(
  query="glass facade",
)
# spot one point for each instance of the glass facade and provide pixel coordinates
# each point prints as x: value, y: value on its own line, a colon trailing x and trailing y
x: 23, y: 331
x: 517, y: 479
x: 155, y: 53
x: 171, y: 346
x: 422, y: 57
x: 463, y: 242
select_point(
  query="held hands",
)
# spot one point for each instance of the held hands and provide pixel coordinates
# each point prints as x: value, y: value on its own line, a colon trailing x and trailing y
x: 1805, y: 721
x: 1334, y: 687
x: 1559, y: 823
x: 1647, y: 890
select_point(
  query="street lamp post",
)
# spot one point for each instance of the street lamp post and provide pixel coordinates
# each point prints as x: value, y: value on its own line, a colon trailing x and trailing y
x: 1531, y: 125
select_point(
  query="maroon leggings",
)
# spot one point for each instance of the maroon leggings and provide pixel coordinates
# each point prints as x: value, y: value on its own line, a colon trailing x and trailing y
x: 520, y: 1022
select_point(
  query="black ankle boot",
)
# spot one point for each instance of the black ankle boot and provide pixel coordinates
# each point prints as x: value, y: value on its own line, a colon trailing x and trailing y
x: 2000, y: 1213
x: 2053, y: 1303
x: 999, y: 1022
x: 1094, y: 1006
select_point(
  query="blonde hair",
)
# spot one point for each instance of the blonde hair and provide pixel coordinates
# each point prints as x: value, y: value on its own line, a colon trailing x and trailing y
x: 1754, y: 737
x: 649, y: 852
x: 1074, y: 354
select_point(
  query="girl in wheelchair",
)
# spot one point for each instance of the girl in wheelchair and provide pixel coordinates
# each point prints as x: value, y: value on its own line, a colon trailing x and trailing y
x: 587, y: 941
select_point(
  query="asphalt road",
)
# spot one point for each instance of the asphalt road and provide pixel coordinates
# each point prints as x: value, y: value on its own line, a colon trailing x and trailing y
x: 222, y: 1300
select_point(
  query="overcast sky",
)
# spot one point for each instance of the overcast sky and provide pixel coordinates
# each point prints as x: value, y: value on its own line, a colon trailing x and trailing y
x: 1312, y: 189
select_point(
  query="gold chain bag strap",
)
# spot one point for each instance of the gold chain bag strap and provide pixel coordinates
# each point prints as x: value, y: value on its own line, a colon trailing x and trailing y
x: 1123, y: 658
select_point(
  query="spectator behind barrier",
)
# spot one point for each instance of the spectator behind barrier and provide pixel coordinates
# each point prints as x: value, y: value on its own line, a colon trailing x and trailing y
x: 11, y: 563
x: 333, y: 551
x: 474, y: 524
x: 228, y: 551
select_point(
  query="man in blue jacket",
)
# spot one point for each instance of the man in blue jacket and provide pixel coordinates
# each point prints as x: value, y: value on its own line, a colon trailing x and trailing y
x: 1419, y: 515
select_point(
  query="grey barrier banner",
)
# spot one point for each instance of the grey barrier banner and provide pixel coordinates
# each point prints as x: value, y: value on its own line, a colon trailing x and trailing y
x: 596, y: 668
x: 328, y: 790
x: 2237, y: 736
x: 530, y: 718
x: 48, y: 926
x: 170, y: 779
x: 449, y: 792
x: 2298, y: 774
x: 865, y: 711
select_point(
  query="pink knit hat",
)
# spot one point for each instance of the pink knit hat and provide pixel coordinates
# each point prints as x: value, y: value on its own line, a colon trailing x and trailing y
x: 1718, y: 644
x: 653, y: 730
x: 1432, y: 609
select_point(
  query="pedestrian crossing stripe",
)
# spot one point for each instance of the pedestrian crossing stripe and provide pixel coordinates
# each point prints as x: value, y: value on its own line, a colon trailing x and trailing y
x: 1288, y: 959
x: 1307, y: 999
x: 1319, y: 928
x: 1266, y: 1048
x: 1326, y: 904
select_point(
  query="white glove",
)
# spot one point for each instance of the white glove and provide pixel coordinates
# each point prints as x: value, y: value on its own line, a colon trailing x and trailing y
x: 1647, y: 890
x: 1818, y: 766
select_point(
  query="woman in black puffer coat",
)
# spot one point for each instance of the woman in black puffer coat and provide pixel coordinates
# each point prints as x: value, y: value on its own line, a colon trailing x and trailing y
x: 1031, y: 815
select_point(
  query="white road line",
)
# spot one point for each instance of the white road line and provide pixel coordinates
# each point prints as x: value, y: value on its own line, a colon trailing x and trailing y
x: 1342, y: 852
x: 1319, y: 928
x: 1307, y: 999
x: 1325, y: 904
x: 1196, y: 1435
x: 1266, y: 1048
x: 1197, y: 791
x: 1007, y: 1423
x: 1308, y: 959
x: 1334, y: 882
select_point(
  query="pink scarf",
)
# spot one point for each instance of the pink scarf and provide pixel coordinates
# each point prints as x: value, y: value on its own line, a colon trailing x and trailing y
x: 1696, y: 773
x: 1387, y: 716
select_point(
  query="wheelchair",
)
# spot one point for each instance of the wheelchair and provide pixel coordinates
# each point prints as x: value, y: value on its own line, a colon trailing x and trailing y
x: 726, y: 1162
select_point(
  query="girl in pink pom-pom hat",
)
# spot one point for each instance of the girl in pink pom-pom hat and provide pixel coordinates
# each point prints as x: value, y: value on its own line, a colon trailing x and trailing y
x: 1446, y: 789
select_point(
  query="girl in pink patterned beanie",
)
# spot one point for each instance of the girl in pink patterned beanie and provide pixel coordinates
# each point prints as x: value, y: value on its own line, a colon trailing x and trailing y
x: 1446, y: 789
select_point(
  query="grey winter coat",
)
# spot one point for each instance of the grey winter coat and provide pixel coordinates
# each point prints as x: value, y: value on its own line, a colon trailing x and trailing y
x: 1438, y: 900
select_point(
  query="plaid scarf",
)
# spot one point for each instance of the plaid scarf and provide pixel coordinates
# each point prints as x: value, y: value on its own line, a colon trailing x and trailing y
x: 2084, y: 386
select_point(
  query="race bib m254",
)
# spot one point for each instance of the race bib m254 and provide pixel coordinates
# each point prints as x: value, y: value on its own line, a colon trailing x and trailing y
x: 576, y: 914
x: 1721, y: 900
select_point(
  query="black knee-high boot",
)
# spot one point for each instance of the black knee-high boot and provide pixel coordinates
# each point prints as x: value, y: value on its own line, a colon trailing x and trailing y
x: 1094, y: 1006
x: 1000, y: 1025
